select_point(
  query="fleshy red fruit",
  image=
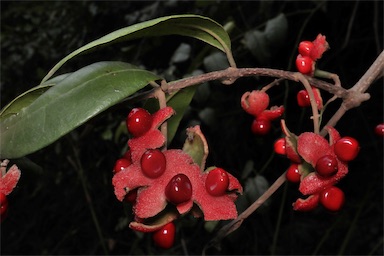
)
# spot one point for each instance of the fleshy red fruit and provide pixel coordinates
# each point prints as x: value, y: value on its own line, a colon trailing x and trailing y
x: 326, y: 166
x: 347, y: 148
x: 261, y: 126
x: 165, y: 237
x: 379, y: 130
x: 304, y: 64
x: 121, y: 164
x: 305, y: 48
x: 138, y: 122
x: 332, y: 198
x: 3, y: 206
x: 293, y: 174
x: 179, y: 189
x: 303, y: 99
x: 217, y: 182
x: 279, y: 146
x: 153, y: 163
x: 255, y: 102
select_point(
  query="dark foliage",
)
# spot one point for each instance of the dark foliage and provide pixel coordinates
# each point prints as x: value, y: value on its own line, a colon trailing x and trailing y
x: 64, y: 183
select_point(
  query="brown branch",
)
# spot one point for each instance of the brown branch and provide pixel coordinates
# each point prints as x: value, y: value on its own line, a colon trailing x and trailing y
x: 236, y: 223
x: 356, y: 95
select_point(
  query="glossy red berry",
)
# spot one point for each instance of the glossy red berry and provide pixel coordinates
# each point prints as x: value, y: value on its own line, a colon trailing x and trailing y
x: 332, y: 198
x: 305, y: 48
x: 347, y: 148
x: 179, y: 189
x: 3, y: 206
x: 165, y: 236
x: 379, y: 130
x: 279, y: 146
x: 217, y: 182
x: 293, y: 174
x: 138, y: 122
x: 153, y: 163
x: 304, y: 64
x: 261, y: 126
x: 121, y: 164
x: 326, y: 166
x: 303, y: 99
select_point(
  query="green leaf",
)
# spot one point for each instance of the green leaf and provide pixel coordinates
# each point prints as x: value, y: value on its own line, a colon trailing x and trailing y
x: 179, y: 102
x: 26, y: 98
x: 196, y: 146
x: 70, y: 103
x: 195, y: 26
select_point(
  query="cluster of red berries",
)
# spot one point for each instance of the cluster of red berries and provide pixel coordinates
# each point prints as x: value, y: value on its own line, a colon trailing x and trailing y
x: 8, y: 182
x: 256, y: 103
x: 309, y: 53
x: 317, y: 165
x: 151, y: 178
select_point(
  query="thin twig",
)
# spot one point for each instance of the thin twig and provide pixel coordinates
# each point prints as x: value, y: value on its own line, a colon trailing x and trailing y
x: 236, y: 223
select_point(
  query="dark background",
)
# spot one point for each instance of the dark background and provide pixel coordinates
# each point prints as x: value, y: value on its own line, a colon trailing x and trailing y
x: 49, y: 211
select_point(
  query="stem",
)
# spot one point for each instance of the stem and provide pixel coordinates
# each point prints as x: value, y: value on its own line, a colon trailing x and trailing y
x: 315, y: 111
x: 160, y: 96
x: 77, y: 166
x: 236, y: 223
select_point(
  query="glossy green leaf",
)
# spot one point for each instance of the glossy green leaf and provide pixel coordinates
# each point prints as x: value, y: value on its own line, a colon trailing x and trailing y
x: 195, y: 26
x: 26, y: 98
x: 179, y: 102
x: 70, y: 103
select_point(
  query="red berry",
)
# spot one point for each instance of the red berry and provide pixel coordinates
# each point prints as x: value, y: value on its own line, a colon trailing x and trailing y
x: 127, y: 155
x: 305, y: 48
x: 139, y: 121
x: 326, y: 166
x: 255, y: 102
x: 379, y: 130
x: 121, y: 164
x: 165, y: 236
x: 3, y: 206
x: 261, y: 126
x: 217, y: 182
x: 347, y: 148
x: 131, y: 196
x: 153, y: 163
x: 303, y: 99
x: 332, y: 198
x: 304, y: 64
x: 293, y: 173
x: 179, y: 189
x: 279, y: 146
